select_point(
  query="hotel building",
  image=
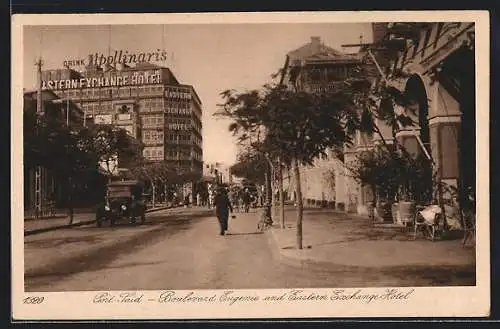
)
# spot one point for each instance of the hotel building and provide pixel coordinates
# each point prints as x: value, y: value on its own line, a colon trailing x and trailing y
x: 147, y: 100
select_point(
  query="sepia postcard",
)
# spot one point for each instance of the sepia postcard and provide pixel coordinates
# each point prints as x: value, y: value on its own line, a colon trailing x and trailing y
x: 250, y: 165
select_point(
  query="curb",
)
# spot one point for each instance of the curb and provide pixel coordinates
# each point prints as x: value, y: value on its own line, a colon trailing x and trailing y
x: 310, y: 264
x: 325, y: 266
x: 87, y: 222
x: 53, y: 228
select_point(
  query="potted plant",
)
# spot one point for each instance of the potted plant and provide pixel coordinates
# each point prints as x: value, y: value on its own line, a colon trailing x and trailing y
x: 387, y: 184
x: 415, y: 181
x: 371, y: 169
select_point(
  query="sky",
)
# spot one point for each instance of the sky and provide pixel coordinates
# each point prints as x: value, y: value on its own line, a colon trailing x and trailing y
x: 210, y: 57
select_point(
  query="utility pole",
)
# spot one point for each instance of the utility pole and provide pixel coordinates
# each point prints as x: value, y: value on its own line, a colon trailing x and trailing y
x: 38, y: 169
x: 67, y: 112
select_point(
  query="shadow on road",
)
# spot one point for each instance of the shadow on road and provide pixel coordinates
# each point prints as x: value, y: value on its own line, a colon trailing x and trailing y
x: 95, y: 259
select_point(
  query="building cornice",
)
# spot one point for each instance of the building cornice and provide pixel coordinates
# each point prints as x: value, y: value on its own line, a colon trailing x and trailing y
x: 445, y: 119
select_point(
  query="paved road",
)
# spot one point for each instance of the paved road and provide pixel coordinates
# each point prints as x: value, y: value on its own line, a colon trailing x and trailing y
x: 175, y: 249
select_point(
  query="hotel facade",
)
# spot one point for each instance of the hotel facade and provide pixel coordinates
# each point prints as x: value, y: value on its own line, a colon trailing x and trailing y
x: 146, y: 100
x: 435, y: 62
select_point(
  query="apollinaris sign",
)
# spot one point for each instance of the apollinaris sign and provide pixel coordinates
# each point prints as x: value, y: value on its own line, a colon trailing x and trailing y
x: 134, y: 78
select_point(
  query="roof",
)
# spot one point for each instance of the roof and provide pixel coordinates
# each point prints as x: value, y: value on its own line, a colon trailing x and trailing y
x: 316, y: 51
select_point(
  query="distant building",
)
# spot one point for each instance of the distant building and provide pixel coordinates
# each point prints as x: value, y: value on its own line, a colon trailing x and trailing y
x: 217, y: 172
x: 315, y: 67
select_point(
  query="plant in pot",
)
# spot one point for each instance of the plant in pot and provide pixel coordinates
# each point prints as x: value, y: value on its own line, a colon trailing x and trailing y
x: 366, y: 170
x: 415, y: 184
x: 386, y: 184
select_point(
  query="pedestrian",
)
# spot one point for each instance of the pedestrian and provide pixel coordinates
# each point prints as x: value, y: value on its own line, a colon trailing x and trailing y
x: 247, y: 200
x: 198, y: 199
x: 223, y: 208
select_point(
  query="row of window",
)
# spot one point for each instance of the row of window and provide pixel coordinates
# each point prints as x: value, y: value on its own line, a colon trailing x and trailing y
x: 144, y: 105
x: 153, y: 153
x: 107, y: 92
x: 155, y: 120
x: 178, y: 137
x: 152, y: 136
x: 178, y: 121
x: 328, y: 74
x: 150, y: 102
x: 178, y: 104
x: 159, y: 136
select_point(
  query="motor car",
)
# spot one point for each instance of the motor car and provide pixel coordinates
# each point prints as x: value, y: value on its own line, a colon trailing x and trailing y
x: 124, y: 200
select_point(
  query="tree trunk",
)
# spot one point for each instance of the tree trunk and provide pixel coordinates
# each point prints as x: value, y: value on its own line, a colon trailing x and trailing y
x: 272, y: 184
x: 268, y: 174
x: 154, y: 194
x: 268, y: 193
x: 165, y: 192
x: 160, y: 200
x: 371, y: 216
x: 300, y: 208
x: 272, y: 187
x: 282, y: 199
x: 71, y: 210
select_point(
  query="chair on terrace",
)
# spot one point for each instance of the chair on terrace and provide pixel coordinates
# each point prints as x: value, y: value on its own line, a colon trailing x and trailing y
x: 429, y: 220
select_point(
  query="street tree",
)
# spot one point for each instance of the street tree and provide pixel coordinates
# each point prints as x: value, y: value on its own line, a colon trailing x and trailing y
x: 159, y: 174
x: 300, y: 126
x: 251, y: 166
x: 55, y: 146
x: 110, y: 144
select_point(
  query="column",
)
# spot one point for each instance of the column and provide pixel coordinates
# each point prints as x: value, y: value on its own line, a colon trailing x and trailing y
x: 444, y: 125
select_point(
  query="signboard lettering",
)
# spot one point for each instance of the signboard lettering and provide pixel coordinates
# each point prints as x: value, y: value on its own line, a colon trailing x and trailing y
x: 119, y: 57
x: 109, y: 81
x: 178, y: 126
x: 183, y: 94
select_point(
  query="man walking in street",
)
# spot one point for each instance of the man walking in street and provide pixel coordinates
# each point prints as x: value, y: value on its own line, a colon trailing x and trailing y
x: 223, y: 208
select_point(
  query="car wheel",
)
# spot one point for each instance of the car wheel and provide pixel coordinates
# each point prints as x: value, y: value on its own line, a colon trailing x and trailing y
x: 99, y: 222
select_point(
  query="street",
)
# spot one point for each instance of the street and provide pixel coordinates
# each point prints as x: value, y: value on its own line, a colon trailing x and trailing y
x: 180, y: 249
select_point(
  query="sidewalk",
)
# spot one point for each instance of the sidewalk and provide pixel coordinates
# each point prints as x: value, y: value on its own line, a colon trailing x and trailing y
x: 342, y: 239
x: 61, y: 220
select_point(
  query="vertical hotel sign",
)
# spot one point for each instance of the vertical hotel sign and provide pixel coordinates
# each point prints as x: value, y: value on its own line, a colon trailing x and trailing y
x: 178, y: 93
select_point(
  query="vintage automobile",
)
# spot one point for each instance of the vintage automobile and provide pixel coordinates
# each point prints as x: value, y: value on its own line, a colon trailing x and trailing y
x: 124, y: 201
